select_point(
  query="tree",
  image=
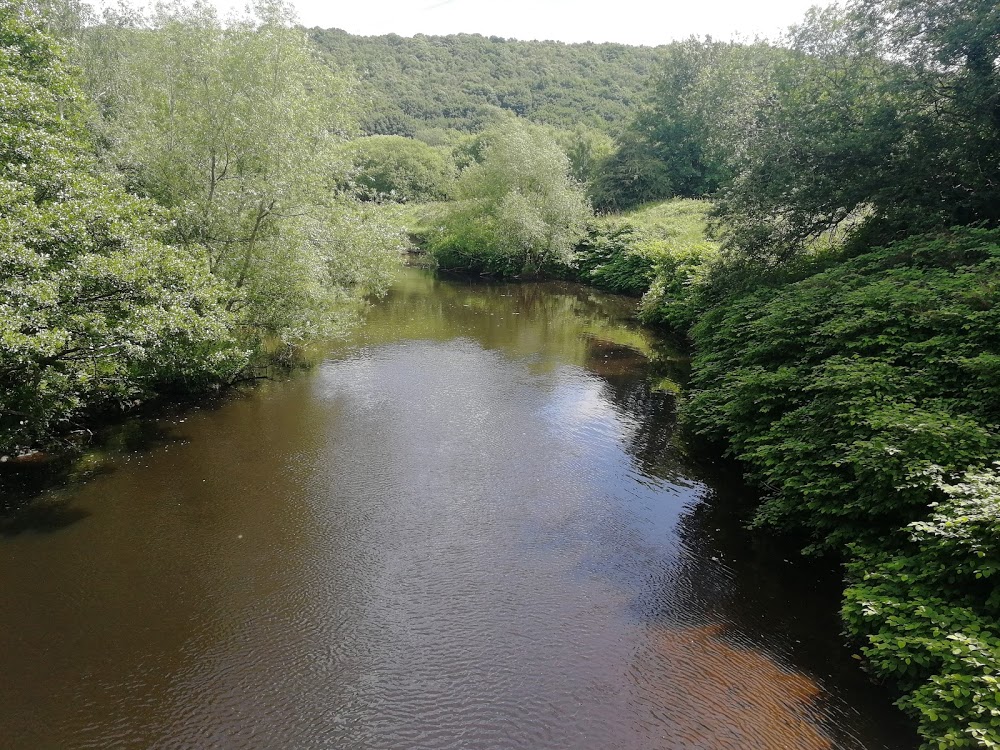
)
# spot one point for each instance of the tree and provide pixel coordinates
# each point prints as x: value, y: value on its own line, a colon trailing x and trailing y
x: 682, y: 141
x: 587, y: 149
x: 233, y: 126
x: 95, y: 310
x: 884, y: 118
x: 519, y: 209
x: 394, y: 168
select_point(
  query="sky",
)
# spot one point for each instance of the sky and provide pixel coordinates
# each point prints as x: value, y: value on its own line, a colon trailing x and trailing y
x: 627, y: 21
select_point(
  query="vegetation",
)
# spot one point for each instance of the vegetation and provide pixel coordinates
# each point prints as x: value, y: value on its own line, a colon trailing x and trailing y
x: 518, y: 211
x: 831, y: 246
x: 155, y: 242
x: 684, y: 139
x: 242, y: 160
x: 929, y: 613
x: 869, y: 122
x: 96, y: 311
x: 467, y: 81
x: 394, y: 168
x: 659, y: 251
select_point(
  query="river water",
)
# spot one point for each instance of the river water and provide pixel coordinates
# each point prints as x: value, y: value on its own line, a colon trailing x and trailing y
x: 472, y: 526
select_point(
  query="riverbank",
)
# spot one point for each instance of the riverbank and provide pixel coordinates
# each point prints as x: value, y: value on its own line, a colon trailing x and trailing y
x: 857, y: 388
x: 475, y: 503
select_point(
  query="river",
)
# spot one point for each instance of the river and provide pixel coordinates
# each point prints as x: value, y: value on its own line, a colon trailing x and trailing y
x: 473, y: 525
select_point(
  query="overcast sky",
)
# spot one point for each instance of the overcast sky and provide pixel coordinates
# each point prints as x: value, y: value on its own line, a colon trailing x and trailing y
x: 629, y: 21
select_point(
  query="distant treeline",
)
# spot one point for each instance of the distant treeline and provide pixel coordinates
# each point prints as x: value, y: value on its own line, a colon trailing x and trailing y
x: 463, y: 81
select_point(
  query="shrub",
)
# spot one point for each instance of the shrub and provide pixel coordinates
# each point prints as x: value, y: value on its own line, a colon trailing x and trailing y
x: 519, y: 210
x: 929, y: 614
x: 397, y: 169
x: 842, y: 391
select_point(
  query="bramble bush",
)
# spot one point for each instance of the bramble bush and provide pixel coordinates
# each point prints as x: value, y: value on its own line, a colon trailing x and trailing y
x: 659, y: 252
x: 608, y: 259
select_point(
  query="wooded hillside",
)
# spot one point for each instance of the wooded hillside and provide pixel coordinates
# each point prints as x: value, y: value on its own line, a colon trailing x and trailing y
x: 462, y: 81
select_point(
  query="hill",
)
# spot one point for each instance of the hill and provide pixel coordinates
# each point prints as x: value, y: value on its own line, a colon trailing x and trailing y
x: 462, y: 81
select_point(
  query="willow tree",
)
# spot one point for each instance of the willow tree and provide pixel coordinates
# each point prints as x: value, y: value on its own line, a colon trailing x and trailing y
x: 232, y: 126
x: 519, y: 208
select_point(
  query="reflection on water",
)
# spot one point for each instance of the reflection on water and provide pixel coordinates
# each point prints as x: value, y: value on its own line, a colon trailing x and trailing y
x: 701, y: 691
x: 470, y: 527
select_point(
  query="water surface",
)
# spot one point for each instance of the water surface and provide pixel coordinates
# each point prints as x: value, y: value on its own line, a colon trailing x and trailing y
x: 472, y: 526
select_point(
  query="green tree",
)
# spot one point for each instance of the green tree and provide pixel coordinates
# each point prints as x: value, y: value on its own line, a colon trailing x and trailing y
x: 683, y: 139
x: 394, y: 168
x: 587, y: 149
x: 95, y: 310
x: 518, y: 210
x: 234, y: 127
x: 883, y: 119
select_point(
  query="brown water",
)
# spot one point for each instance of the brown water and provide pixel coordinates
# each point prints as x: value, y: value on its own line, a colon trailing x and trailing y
x: 472, y: 527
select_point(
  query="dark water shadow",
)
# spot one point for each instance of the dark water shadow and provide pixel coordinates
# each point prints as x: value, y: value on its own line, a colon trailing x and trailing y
x: 34, y: 493
x: 747, y: 603
x: 41, y: 518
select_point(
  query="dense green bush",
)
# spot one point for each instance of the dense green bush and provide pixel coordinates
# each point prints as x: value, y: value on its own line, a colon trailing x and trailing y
x: 865, y: 399
x: 519, y: 210
x: 397, y: 169
x: 608, y: 259
x: 929, y: 614
x: 846, y: 391
x: 660, y: 252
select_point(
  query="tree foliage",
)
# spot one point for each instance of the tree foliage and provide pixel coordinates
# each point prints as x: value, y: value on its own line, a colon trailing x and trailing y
x: 96, y: 311
x: 680, y: 142
x: 398, y: 169
x: 885, y: 117
x: 234, y: 127
x: 468, y: 82
x: 519, y: 209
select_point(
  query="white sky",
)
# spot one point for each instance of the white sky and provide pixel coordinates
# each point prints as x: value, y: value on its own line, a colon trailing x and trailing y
x: 627, y: 21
